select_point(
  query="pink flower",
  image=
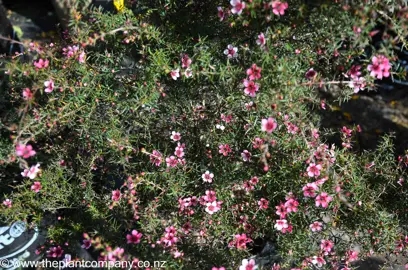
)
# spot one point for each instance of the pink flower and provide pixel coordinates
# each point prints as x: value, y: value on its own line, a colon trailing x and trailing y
x: 156, y: 158
x: 323, y: 199
x: 241, y: 240
x: 36, y: 187
x: 86, y: 243
x: 281, y: 210
x: 185, y: 61
x: 55, y: 252
x: 81, y: 57
x: 291, y: 205
x: 212, y: 207
x: 346, y: 131
x: 207, y: 177
x: 352, y: 255
x: 278, y: 8
x: 354, y: 72
x: 246, y: 155
x: 314, y: 170
x: 310, y: 74
x: 261, y: 41
x: 248, y: 265
x: 269, y: 124
x: 231, y: 51
x: 309, y: 190
x: 326, y: 245
x: 175, y: 136
x: 254, y: 72
x: 179, y: 151
x: 41, y: 63
x: 25, y: 151
x: 221, y: 13
x: 380, y: 67
x: 281, y: 224
x: 209, y: 196
x: 27, y: 94
x: 7, y: 203
x: 116, y: 195
x: 134, y: 237
x: 171, y: 161
x: 319, y: 261
x: 49, y: 86
x: 237, y: 6
x: 32, y: 172
x: 316, y: 226
x: 220, y: 268
x: 250, y: 88
x: 175, y: 74
x: 263, y: 203
x: 224, y: 149
x: 358, y: 83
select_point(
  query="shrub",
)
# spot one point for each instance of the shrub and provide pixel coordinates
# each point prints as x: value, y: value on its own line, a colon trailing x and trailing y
x: 166, y: 132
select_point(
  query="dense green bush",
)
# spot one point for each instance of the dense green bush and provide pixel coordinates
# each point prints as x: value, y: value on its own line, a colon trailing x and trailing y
x: 166, y: 132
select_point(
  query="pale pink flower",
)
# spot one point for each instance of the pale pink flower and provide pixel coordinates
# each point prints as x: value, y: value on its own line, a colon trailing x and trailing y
x: 116, y: 195
x: 36, y: 187
x: 254, y: 72
x: 248, y: 265
x: 171, y: 161
x: 281, y: 224
x: 32, y: 172
x: 237, y: 6
x: 319, y: 261
x: 25, y: 151
x: 212, y: 207
x: 314, y: 170
x: 309, y: 190
x: 175, y: 136
x: 246, y: 155
x: 207, y: 177
x: 278, y: 8
x: 49, y: 86
x: 357, y: 83
x: 209, y: 196
x: 7, y: 203
x: 41, y: 63
x: 175, y: 74
x: 55, y: 252
x: 27, y: 94
x: 323, y: 199
x: 134, y: 237
x: 269, y: 125
x: 231, y: 51
x: 188, y: 73
x: 316, y: 226
x: 220, y: 268
x: 261, y: 41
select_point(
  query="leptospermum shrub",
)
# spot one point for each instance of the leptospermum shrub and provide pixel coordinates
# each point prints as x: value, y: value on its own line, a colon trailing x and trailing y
x: 186, y: 132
